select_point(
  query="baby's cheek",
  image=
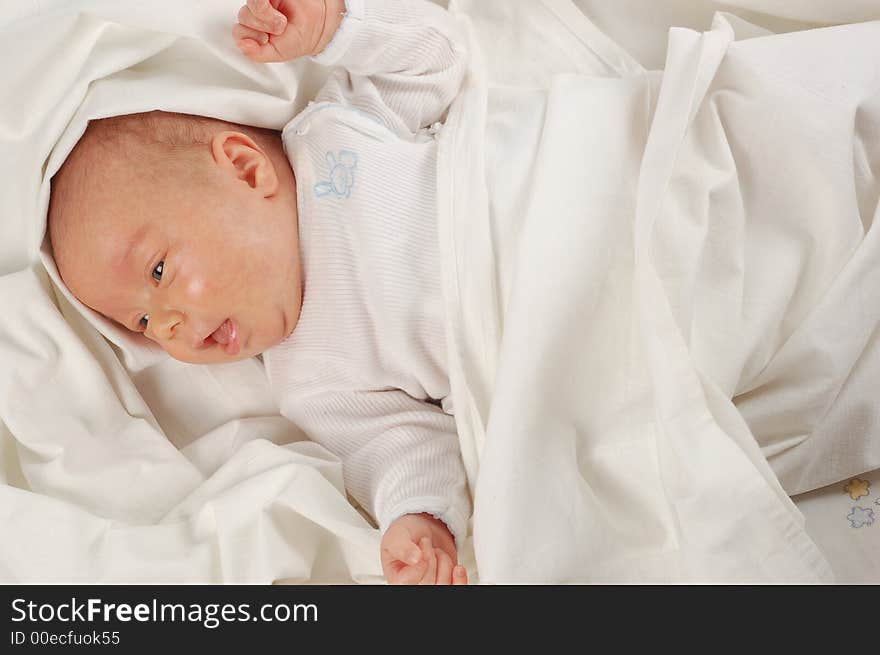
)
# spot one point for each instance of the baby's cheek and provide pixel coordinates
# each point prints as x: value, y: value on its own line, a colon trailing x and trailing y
x: 198, y: 295
x: 195, y: 287
x: 193, y: 280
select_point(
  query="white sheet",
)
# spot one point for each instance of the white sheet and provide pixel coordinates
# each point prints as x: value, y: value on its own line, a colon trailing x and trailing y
x: 659, y: 253
x: 120, y: 465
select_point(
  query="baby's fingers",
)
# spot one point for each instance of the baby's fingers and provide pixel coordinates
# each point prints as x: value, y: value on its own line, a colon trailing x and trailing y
x: 444, y: 567
x: 459, y: 575
x: 262, y: 53
x: 399, y: 573
x: 261, y: 15
x: 430, y: 576
x: 397, y: 544
x: 413, y: 575
x: 240, y: 33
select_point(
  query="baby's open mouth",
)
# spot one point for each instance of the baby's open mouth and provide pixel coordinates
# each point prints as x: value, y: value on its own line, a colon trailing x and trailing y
x: 227, y: 336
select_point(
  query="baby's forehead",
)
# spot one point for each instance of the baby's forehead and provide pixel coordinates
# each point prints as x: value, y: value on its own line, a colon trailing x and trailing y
x: 120, y: 174
x: 94, y: 224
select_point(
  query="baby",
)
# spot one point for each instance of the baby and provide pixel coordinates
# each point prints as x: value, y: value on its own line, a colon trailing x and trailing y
x: 316, y: 248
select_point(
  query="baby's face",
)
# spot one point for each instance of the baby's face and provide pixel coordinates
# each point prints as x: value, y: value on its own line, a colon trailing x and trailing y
x: 210, y: 276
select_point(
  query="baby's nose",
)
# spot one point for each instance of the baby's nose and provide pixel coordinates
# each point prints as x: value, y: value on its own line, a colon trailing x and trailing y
x: 163, y: 323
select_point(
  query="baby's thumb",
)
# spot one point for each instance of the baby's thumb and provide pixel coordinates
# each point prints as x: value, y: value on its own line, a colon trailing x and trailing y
x: 399, y: 544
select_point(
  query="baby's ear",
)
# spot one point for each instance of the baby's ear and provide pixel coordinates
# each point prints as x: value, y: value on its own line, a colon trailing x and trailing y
x: 239, y: 156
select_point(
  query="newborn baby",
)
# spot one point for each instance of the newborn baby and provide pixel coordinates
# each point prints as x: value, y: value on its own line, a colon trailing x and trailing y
x: 316, y: 248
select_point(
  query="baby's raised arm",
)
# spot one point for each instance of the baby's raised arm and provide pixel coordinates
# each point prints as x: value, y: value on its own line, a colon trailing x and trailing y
x: 281, y: 30
x: 400, y: 61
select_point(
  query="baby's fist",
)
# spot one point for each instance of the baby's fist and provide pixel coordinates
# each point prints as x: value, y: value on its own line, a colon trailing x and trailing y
x: 419, y: 549
x: 281, y: 30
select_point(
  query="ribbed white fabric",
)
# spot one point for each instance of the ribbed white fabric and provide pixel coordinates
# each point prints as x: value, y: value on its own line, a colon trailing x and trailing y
x: 368, y: 354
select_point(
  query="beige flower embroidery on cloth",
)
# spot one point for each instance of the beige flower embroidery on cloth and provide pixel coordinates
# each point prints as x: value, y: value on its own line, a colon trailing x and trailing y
x: 857, y: 488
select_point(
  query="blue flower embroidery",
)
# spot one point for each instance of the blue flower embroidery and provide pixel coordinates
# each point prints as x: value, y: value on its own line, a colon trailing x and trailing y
x: 860, y: 516
x: 341, y: 177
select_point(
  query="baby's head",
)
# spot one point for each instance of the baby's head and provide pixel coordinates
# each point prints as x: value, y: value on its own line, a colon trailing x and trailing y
x: 183, y: 228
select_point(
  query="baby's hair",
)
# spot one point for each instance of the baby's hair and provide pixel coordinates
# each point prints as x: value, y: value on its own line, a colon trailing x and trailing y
x: 156, y: 148
x: 166, y: 130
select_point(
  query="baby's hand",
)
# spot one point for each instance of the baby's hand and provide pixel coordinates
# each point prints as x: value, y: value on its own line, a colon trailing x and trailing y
x: 419, y: 549
x: 280, y: 30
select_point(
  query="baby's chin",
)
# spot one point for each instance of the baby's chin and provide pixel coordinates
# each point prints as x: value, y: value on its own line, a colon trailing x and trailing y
x: 217, y: 354
x: 212, y: 356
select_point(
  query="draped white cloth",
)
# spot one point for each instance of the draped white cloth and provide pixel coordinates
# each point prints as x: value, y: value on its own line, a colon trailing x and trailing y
x: 646, y: 247
x: 685, y: 272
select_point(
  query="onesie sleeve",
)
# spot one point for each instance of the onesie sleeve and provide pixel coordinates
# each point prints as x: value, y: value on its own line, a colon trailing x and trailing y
x: 399, y: 455
x: 400, y: 61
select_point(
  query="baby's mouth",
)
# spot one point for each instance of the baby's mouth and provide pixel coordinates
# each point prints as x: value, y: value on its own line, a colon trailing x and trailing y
x: 227, y: 336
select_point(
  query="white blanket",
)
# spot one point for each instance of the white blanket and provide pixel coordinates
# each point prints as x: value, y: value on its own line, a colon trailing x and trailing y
x: 578, y: 393
x: 680, y: 269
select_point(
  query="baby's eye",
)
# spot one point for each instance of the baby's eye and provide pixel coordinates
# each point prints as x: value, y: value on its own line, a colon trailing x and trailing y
x: 157, y: 272
x: 144, y: 320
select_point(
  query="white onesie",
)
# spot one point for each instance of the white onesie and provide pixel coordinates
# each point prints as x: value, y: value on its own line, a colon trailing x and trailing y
x: 368, y: 354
